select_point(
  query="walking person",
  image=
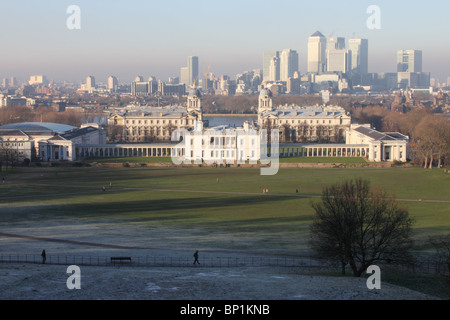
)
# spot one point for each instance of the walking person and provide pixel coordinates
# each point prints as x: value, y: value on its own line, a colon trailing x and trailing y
x: 196, y: 257
x: 44, y: 256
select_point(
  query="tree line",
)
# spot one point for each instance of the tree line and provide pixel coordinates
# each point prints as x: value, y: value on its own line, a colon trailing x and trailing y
x: 429, y: 132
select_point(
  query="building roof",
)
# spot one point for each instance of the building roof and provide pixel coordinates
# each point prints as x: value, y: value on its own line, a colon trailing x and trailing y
x: 265, y: 92
x: 380, y: 136
x: 39, y: 127
x: 154, y: 112
x: 12, y: 132
x: 318, y: 34
x: 74, y: 133
x: 299, y: 111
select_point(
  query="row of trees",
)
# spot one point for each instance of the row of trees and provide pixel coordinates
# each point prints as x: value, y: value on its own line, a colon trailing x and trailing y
x: 429, y: 132
x: 41, y: 114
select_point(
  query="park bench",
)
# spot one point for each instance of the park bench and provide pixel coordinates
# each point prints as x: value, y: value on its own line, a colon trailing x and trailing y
x: 113, y: 259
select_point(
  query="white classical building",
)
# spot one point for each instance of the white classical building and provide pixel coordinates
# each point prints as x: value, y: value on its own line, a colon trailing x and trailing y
x: 303, y: 123
x: 49, y: 141
x: 143, y: 123
x: 381, y: 146
x: 221, y: 144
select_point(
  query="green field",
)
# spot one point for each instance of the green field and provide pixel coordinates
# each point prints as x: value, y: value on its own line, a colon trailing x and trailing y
x: 131, y: 160
x: 213, y: 208
x: 344, y: 160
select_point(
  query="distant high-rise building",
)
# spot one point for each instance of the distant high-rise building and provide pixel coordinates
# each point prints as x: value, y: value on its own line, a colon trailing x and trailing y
x: 40, y: 79
x: 90, y: 83
x: 288, y: 64
x: 184, y: 75
x: 5, y: 83
x: 13, y: 82
x: 267, y: 58
x: 189, y: 74
x: 274, y: 69
x: 360, y: 55
x: 113, y: 83
x: 192, y: 66
x: 409, y: 61
x: 317, y: 46
x: 139, y: 79
x: 335, y: 43
x: 339, y: 60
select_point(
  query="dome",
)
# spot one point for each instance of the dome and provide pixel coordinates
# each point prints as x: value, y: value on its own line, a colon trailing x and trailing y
x: 194, y: 93
x: 265, y: 92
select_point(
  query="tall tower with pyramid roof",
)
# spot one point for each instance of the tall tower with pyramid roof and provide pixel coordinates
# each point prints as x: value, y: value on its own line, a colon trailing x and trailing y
x: 317, y: 53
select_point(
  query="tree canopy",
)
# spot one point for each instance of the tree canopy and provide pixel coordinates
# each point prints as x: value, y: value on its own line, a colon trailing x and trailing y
x: 357, y: 225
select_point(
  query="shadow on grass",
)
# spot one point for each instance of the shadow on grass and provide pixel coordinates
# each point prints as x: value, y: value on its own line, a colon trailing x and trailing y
x: 167, y: 208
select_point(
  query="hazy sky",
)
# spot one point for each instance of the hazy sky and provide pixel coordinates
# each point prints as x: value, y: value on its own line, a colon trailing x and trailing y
x: 154, y: 38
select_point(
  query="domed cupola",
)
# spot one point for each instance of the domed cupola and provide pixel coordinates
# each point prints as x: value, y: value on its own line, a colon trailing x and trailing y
x: 265, y: 100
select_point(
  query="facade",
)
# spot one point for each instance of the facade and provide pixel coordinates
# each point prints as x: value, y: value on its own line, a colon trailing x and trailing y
x: 381, y: 146
x: 360, y: 55
x: 192, y: 66
x: 62, y: 147
x: 317, y: 46
x: 49, y: 141
x: 288, y: 64
x: 409, y: 61
x: 267, y: 58
x: 274, y: 69
x: 90, y: 83
x: 339, y: 60
x: 143, y: 88
x: 407, y: 80
x: 334, y: 43
x: 37, y: 80
x: 157, y: 123
x: 298, y: 123
x: 113, y: 84
x: 17, y: 144
x: 221, y: 144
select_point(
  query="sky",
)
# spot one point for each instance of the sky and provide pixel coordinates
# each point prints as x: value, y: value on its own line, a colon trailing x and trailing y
x: 154, y: 38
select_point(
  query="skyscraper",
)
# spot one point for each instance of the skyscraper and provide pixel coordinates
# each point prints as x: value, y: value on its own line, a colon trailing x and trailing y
x: 317, y: 46
x: 339, y: 60
x: 274, y: 69
x: 335, y: 43
x: 409, y: 61
x: 267, y: 58
x: 184, y: 77
x: 288, y: 64
x: 192, y: 66
x: 90, y: 83
x: 113, y: 83
x: 360, y: 55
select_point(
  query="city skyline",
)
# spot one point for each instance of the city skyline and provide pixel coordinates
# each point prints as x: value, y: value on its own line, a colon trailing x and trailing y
x: 154, y: 39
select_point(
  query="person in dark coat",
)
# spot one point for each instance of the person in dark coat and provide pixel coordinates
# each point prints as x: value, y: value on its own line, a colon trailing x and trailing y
x: 44, y: 256
x: 196, y: 257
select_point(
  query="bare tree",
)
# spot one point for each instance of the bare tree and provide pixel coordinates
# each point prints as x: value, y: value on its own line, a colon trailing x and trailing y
x: 442, y: 246
x: 10, y: 155
x: 359, y: 226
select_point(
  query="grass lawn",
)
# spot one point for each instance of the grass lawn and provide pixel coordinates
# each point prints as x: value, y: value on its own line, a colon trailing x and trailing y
x: 131, y: 160
x: 345, y: 160
x: 206, y: 208
x: 216, y: 207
